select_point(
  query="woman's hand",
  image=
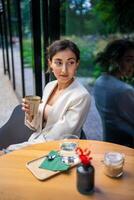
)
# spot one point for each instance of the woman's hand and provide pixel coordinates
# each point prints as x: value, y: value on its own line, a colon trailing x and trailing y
x: 25, y: 106
x: 26, y: 109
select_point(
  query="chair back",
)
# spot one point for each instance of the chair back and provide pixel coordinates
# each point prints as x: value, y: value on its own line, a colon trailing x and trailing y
x: 14, y: 131
x: 83, y: 135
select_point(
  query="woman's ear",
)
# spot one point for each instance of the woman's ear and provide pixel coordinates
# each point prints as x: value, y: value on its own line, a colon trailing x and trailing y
x: 49, y: 66
x: 49, y: 62
x: 78, y: 63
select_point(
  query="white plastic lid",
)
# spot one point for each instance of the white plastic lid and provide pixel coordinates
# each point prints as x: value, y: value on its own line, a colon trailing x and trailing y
x: 113, y: 158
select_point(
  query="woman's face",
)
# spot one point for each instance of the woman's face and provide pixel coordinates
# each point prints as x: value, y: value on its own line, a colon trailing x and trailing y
x: 64, y: 65
x: 127, y: 63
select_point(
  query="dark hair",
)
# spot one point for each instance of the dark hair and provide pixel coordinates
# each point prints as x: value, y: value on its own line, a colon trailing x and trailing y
x: 61, y: 45
x: 113, y: 53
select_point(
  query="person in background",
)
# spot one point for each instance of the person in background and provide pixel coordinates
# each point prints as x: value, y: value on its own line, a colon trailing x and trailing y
x: 65, y: 102
x: 114, y: 98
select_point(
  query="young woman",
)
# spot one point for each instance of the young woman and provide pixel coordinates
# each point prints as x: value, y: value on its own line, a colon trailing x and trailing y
x: 65, y: 103
x: 113, y: 96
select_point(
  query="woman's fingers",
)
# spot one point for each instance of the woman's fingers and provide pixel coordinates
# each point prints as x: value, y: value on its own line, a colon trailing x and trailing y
x: 25, y: 106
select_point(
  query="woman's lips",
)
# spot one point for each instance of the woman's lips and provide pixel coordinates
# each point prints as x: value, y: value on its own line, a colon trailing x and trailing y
x: 64, y: 76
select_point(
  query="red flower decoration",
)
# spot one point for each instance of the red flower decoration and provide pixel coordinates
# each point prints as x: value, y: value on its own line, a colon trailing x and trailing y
x: 84, y: 156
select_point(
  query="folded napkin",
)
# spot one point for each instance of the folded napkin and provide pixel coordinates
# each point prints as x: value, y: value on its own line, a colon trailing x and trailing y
x: 54, y: 164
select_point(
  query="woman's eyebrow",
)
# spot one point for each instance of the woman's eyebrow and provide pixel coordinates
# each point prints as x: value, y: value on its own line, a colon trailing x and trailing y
x: 71, y: 58
x: 59, y: 59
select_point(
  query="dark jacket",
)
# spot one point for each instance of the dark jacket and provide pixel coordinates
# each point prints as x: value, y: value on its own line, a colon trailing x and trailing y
x: 115, y: 102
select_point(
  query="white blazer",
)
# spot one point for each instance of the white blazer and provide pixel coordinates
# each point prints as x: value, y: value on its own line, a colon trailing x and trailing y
x: 66, y: 116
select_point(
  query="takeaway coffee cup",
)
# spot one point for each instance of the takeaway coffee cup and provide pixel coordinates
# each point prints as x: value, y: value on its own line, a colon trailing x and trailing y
x: 33, y: 102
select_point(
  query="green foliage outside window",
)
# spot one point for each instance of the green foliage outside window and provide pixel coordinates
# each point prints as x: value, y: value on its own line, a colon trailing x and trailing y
x: 27, y: 52
x: 90, y: 27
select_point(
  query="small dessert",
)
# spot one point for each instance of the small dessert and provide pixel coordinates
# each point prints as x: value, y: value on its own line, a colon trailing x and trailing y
x: 113, y: 164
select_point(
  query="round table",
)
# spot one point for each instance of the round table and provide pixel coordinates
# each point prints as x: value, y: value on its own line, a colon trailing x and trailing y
x: 17, y: 182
